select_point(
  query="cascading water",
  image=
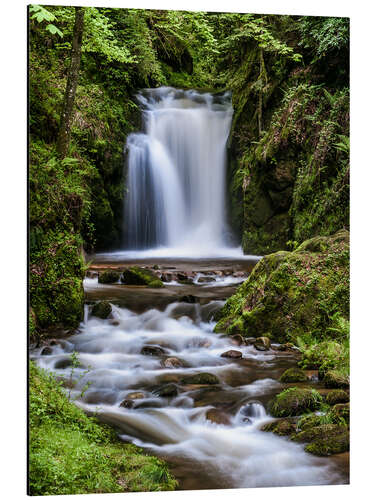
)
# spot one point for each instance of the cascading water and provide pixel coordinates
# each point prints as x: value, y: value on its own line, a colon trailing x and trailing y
x: 175, y: 195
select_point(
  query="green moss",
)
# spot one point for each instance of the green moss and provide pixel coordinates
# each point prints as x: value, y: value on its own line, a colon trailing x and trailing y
x: 71, y: 453
x: 282, y: 427
x: 335, y: 379
x: 138, y: 276
x: 107, y: 277
x: 102, y: 309
x: 294, y: 401
x: 324, y: 440
x: 293, y: 375
x: 337, y: 396
x: 201, y: 379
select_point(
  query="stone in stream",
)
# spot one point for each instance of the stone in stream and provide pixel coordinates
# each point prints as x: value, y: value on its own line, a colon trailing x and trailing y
x: 294, y: 401
x: 101, y: 309
x: 167, y: 391
x: 324, y: 440
x: 335, y: 380
x: 337, y: 396
x: 217, y: 417
x: 136, y: 275
x: 232, y: 354
x: 237, y: 339
x: 127, y: 403
x: 281, y: 427
x: 201, y: 379
x: 130, y: 398
x: 152, y: 350
x: 172, y: 363
x: 190, y: 299
x: 250, y: 340
x: 293, y: 375
x: 135, y: 395
x: 206, y: 279
x: 262, y: 344
x: 46, y: 351
x: 108, y: 277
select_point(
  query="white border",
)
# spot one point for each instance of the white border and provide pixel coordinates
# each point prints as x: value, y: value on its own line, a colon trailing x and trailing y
x: 13, y: 247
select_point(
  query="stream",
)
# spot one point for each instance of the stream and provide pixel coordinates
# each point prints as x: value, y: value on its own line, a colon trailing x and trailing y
x: 208, y: 433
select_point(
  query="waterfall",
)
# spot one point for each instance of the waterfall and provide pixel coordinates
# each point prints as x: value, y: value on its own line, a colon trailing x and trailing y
x: 175, y: 193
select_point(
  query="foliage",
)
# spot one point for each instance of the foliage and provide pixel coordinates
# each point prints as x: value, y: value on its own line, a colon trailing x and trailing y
x: 71, y: 453
x: 41, y: 14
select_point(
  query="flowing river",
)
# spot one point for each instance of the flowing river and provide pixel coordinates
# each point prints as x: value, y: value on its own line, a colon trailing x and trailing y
x: 144, y: 368
x: 209, y: 434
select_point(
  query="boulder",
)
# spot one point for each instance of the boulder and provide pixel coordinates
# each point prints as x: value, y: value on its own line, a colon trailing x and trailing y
x: 293, y: 375
x: 282, y: 427
x: 172, y: 363
x: 262, y: 344
x: 127, y: 403
x: 139, y: 276
x: 46, y: 351
x: 201, y: 379
x: 152, y: 350
x: 101, y: 309
x: 232, y: 354
x: 206, y: 279
x: 167, y: 391
x: 324, y: 440
x: 342, y: 412
x: 335, y: 380
x: 107, y: 277
x: 238, y: 339
x: 337, y: 396
x: 294, y: 401
x: 218, y: 417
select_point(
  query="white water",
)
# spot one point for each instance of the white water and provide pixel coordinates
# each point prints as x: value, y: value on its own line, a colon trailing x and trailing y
x: 175, y: 199
x: 236, y: 455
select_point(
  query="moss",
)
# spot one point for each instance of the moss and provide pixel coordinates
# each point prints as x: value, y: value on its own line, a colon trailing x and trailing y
x: 138, y: 276
x: 341, y: 412
x: 293, y: 375
x: 282, y: 427
x: 337, y: 396
x: 102, y: 309
x: 291, y: 295
x: 335, y: 379
x: 71, y: 453
x: 325, y: 439
x: 294, y: 401
x: 107, y: 277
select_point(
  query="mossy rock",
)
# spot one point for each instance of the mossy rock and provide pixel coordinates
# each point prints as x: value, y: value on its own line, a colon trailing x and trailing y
x: 201, y: 379
x: 142, y: 277
x: 282, y: 427
x: 337, y: 396
x: 262, y: 344
x: 342, y: 412
x: 293, y: 375
x: 335, y: 380
x: 294, y: 401
x: 324, y: 440
x: 107, y: 277
x: 101, y: 309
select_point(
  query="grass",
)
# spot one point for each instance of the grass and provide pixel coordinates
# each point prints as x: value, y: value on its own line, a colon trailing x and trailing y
x: 71, y: 453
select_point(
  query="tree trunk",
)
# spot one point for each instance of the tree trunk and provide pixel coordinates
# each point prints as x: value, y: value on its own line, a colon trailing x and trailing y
x: 63, y: 138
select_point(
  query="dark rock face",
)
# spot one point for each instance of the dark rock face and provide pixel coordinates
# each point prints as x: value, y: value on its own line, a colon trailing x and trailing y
x: 167, y: 391
x: 201, y: 379
x: 232, y: 354
x: 152, y: 350
x: 293, y: 375
x: 107, y: 277
x: 102, y: 309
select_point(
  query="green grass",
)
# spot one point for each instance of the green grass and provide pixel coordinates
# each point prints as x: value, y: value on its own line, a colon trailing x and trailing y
x: 71, y: 453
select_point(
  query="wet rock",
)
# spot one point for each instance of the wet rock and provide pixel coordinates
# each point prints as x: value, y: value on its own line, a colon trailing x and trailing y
x: 186, y: 281
x: 152, y: 350
x: 201, y: 379
x: 139, y: 276
x: 167, y: 391
x: 135, y: 395
x: 262, y: 344
x: 293, y: 375
x: 217, y: 417
x: 107, y: 277
x: 190, y: 299
x: 337, y: 396
x: 324, y: 440
x: 166, y: 277
x: 250, y: 340
x: 282, y: 427
x: 127, y: 403
x: 232, y: 354
x: 101, y: 309
x: 206, y: 279
x: 238, y: 339
x: 115, y: 323
x: 46, y: 351
x: 172, y: 363
x: 335, y: 380
x: 294, y: 401
x: 61, y: 364
x: 278, y: 347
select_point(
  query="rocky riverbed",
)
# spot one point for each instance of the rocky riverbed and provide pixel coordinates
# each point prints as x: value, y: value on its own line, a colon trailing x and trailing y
x: 147, y: 362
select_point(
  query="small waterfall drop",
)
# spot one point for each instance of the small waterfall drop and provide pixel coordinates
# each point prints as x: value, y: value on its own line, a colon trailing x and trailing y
x: 175, y: 195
